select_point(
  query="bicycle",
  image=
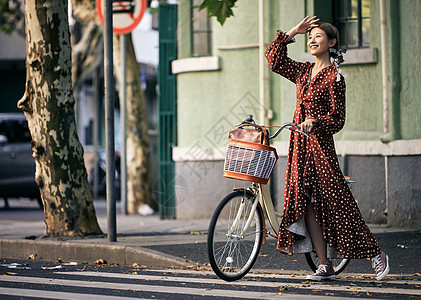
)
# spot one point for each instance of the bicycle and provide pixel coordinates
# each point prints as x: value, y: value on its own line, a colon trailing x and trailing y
x: 237, y: 228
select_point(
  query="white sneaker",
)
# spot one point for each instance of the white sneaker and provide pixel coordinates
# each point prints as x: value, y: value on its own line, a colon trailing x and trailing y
x: 380, y: 264
x: 324, y: 272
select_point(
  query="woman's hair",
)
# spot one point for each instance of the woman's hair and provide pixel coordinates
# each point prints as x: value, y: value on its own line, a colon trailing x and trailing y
x: 331, y: 32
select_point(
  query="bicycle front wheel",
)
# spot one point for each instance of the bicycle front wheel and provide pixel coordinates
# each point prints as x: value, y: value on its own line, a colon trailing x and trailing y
x: 339, y: 264
x: 235, y: 235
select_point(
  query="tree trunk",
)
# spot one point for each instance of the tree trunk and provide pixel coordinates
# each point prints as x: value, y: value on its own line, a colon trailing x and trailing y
x: 138, y: 162
x: 138, y: 157
x: 48, y: 104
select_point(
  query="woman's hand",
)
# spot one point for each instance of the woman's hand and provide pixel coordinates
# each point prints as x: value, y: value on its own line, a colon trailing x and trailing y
x: 304, y: 26
x: 307, y: 126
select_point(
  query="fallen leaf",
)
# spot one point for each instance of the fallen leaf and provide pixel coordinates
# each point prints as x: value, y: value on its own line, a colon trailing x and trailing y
x: 11, y: 273
x: 33, y: 256
x: 196, y: 233
x: 263, y: 254
x: 100, y: 262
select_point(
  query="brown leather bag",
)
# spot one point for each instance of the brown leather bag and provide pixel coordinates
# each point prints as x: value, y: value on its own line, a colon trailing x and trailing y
x: 256, y: 135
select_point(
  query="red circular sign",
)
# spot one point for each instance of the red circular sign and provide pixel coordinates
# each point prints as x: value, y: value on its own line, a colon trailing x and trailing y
x: 126, y: 14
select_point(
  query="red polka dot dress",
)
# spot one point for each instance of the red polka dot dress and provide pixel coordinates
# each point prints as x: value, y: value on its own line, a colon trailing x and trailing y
x: 312, y: 164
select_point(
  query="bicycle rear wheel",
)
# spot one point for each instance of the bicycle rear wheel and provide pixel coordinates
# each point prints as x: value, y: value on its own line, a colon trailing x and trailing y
x: 233, y: 246
x: 339, y: 264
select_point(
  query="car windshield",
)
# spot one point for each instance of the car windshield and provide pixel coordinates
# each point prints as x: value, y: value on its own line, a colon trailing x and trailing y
x: 16, y: 131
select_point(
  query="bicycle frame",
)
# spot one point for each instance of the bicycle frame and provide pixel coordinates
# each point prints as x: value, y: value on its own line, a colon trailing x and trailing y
x: 261, y: 190
x: 265, y: 200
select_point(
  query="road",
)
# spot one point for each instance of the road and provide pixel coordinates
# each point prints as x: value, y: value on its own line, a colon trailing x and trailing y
x: 273, y: 276
x: 53, y: 280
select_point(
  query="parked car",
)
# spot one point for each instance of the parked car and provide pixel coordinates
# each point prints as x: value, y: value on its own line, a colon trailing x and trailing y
x: 17, y: 166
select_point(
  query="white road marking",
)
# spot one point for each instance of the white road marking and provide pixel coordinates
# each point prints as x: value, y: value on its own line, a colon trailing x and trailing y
x: 272, y: 284
x: 157, y: 288
x: 56, y: 295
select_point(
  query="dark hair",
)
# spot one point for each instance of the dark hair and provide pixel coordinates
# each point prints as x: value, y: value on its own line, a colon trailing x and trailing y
x: 331, y: 32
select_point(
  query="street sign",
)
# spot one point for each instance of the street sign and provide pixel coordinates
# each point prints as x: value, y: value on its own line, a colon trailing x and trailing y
x: 126, y: 14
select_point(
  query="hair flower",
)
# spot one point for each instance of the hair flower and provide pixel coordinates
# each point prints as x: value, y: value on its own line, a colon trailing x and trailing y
x: 337, y: 60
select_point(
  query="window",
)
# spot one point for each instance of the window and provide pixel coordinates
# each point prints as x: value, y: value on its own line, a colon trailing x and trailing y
x: 201, y: 30
x: 352, y: 18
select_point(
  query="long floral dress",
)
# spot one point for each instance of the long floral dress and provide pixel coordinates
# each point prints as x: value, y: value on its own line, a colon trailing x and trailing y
x: 313, y: 172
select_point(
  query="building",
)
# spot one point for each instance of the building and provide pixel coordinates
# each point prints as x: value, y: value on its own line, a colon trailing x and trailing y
x: 222, y: 76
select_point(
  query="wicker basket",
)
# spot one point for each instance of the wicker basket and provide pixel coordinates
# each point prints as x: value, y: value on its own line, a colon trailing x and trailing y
x: 249, y: 161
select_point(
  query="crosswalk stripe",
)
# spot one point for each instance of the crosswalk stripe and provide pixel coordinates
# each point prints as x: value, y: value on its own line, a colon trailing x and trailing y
x: 272, y: 284
x: 158, y: 288
x: 342, y: 277
x: 56, y: 295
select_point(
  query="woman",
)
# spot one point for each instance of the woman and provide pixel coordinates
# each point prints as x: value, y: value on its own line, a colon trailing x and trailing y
x: 317, y: 200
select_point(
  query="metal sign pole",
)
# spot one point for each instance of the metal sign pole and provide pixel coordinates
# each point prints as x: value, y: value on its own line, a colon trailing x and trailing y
x: 123, y: 113
x: 109, y: 119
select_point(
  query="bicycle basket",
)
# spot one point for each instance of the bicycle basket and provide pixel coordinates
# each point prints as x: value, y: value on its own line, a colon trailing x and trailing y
x: 249, y: 161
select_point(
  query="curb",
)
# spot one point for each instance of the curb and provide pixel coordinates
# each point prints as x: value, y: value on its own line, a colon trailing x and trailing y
x: 87, y: 253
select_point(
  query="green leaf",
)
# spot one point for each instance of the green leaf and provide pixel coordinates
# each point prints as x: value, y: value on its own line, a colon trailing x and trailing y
x: 221, y: 9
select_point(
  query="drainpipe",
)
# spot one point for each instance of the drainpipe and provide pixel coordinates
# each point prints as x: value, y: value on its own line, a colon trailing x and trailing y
x: 261, y: 62
x: 392, y: 77
x: 383, y: 28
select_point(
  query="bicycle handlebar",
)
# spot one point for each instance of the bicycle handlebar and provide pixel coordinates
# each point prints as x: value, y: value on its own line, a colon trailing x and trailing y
x: 291, y: 126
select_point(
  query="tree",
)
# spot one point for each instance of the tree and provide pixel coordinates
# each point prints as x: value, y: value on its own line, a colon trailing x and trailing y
x: 48, y: 104
x: 138, y: 183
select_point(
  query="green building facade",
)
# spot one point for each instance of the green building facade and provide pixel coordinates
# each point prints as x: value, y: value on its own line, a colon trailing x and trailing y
x: 380, y: 145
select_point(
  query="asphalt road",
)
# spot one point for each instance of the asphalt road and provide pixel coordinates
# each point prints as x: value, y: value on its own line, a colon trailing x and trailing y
x: 56, y: 280
x: 403, y: 248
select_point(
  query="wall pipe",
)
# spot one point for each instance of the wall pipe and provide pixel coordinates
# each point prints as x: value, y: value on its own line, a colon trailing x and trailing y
x: 383, y: 28
x: 261, y: 63
x: 391, y: 75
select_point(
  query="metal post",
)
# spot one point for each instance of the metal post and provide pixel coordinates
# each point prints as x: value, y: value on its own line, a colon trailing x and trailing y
x: 109, y: 119
x: 123, y: 113
x: 96, y: 134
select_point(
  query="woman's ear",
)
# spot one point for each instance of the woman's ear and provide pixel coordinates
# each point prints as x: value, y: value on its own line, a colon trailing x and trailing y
x: 332, y: 42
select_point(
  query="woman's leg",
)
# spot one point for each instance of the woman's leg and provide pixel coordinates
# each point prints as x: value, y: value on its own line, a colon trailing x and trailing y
x: 325, y: 270
x: 316, y: 233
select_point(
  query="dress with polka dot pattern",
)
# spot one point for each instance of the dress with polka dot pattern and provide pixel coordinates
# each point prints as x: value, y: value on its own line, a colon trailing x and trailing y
x: 312, y: 163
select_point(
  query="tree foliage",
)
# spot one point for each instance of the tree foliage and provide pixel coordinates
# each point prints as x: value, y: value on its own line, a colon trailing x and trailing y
x: 12, y: 17
x: 221, y: 9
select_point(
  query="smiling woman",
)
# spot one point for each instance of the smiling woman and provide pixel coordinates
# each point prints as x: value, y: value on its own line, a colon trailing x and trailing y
x: 315, y: 188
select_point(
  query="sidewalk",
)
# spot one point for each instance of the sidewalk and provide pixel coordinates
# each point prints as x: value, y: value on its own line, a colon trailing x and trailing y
x: 135, y: 233
x: 21, y: 239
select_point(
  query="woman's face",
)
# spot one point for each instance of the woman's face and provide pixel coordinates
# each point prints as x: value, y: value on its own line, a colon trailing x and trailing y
x: 318, y: 42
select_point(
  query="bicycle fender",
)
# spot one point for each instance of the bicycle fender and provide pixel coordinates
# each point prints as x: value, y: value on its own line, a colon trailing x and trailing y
x: 246, y: 191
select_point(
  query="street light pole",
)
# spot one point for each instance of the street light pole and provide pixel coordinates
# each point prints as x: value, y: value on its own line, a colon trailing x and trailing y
x: 123, y: 122
x: 109, y: 120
